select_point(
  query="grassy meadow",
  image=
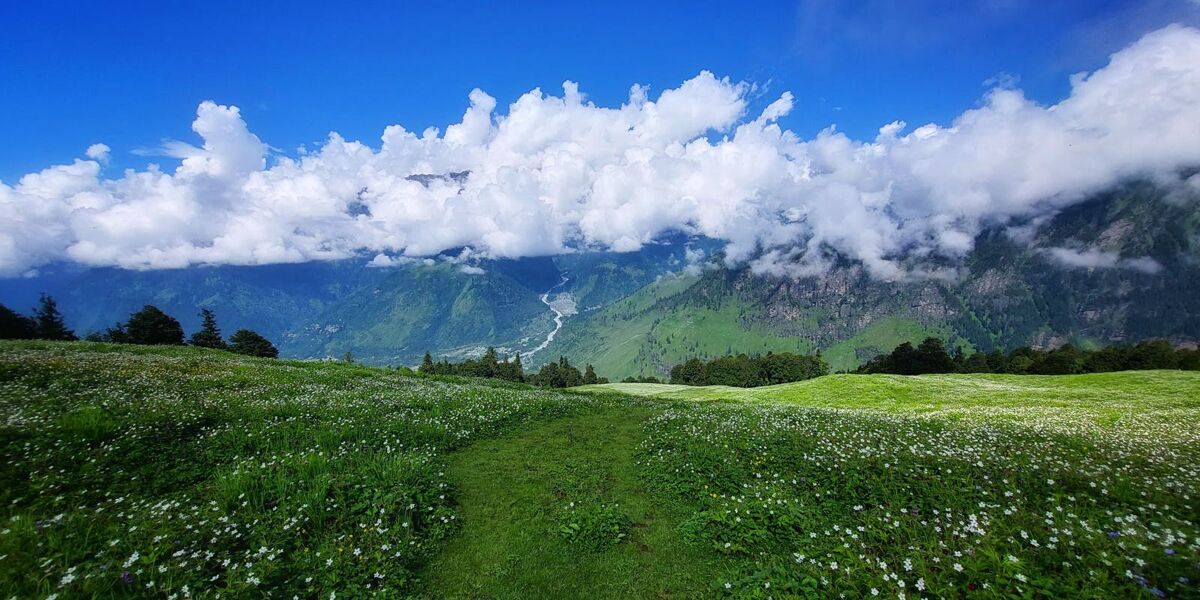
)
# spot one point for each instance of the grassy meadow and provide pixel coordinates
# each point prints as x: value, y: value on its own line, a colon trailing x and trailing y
x: 180, y: 473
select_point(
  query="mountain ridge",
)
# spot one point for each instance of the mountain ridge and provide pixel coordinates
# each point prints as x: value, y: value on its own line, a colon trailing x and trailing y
x: 1122, y: 266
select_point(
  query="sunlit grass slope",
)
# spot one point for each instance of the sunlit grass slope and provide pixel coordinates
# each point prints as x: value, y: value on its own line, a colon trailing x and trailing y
x: 138, y: 472
x: 939, y: 486
x: 163, y: 472
x: 1147, y: 393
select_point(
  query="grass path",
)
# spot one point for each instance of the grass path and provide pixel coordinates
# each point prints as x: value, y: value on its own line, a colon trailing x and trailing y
x: 513, y: 491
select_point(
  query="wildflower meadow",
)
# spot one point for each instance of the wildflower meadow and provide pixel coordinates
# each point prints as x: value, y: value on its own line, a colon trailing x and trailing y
x: 187, y: 473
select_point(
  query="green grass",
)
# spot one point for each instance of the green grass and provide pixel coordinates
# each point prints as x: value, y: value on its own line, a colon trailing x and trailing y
x: 156, y: 471
x: 634, y: 337
x: 882, y: 336
x: 152, y: 472
x: 520, y: 491
x: 1007, y: 486
x: 1125, y: 390
x: 628, y: 338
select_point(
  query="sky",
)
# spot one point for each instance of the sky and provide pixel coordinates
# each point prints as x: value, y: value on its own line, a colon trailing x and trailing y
x: 130, y: 74
x: 224, y: 111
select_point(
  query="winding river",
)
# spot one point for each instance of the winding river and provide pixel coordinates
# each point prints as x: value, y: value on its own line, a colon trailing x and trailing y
x: 558, y: 317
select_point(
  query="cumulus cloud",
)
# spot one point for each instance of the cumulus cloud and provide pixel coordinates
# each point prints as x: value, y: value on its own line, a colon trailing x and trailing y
x: 553, y: 174
x: 98, y: 152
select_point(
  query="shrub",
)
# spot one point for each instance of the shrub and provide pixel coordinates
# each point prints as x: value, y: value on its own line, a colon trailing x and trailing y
x: 251, y: 343
x: 153, y: 327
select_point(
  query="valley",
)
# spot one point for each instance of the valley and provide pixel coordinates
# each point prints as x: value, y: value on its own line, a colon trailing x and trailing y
x: 560, y: 308
x: 639, y: 313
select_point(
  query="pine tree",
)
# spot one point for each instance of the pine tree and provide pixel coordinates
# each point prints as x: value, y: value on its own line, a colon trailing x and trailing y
x: 489, y: 364
x: 426, y: 364
x: 209, y: 335
x: 50, y: 325
x: 16, y: 326
x: 115, y: 334
x: 589, y: 376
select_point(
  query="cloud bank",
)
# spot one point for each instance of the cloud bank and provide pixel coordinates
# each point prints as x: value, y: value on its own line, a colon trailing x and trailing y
x: 555, y: 174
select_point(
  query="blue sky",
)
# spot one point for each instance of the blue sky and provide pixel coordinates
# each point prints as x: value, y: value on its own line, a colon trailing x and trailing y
x: 983, y: 123
x: 131, y: 74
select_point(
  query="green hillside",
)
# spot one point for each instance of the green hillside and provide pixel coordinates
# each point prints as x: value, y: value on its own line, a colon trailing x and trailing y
x: 1007, y: 294
x: 1157, y: 394
x: 152, y: 472
x: 683, y: 316
x: 421, y: 308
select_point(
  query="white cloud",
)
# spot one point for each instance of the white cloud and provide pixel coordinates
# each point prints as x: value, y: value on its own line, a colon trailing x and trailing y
x: 1100, y: 259
x: 1088, y: 259
x: 557, y: 173
x: 384, y: 261
x: 98, y: 152
x: 1145, y: 264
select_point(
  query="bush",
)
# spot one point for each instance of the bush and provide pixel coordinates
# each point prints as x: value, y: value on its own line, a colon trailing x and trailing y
x: 745, y: 371
x: 153, y: 327
x: 251, y: 343
x: 931, y: 357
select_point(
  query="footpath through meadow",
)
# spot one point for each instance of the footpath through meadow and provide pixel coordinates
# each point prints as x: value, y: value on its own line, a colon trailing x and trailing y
x: 520, y: 496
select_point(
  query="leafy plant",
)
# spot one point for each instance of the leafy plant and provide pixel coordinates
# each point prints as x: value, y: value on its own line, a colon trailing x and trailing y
x: 594, y: 526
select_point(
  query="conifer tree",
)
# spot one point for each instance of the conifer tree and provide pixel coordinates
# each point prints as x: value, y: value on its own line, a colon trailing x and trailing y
x: 50, y: 325
x: 209, y: 335
x: 489, y: 364
x: 16, y: 326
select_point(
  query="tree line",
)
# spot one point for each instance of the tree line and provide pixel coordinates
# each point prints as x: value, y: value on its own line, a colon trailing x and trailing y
x: 149, y: 326
x: 931, y: 356
x: 750, y: 371
x: 491, y: 365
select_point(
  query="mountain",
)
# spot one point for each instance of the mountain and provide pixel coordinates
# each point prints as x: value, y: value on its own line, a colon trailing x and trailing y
x: 456, y: 312
x: 424, y: 307
x: 1123, y: 265
x: 270, y: 299
x: 389, y: 315
x: 1132, y: 271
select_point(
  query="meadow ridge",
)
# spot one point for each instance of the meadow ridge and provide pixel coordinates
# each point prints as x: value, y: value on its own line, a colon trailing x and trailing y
x: 1097, y: 394
x: 179, y: 472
